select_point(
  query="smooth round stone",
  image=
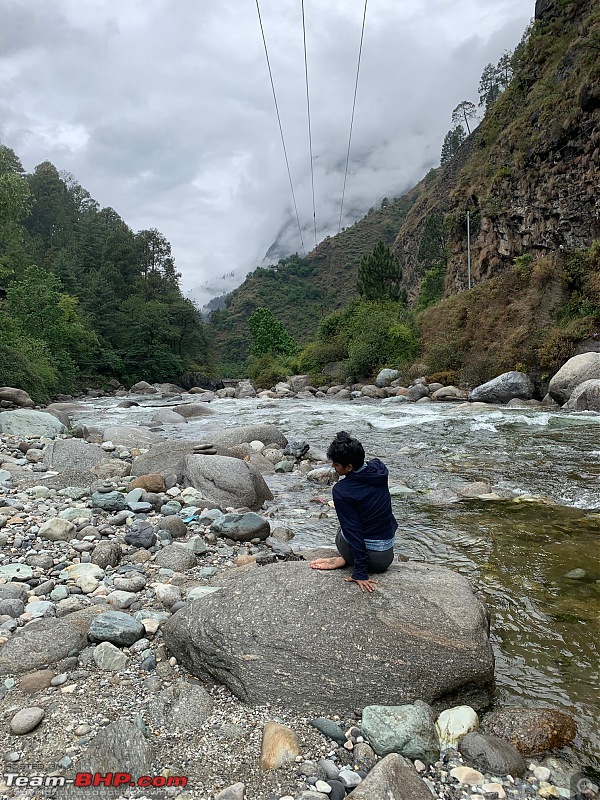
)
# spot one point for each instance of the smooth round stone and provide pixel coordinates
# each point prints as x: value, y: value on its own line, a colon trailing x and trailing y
x: 349, y: 778
x: 82, y: 730
x: 466, y: 775
x: 40, y: 608
x: 170, y: 508
x: 35, y: 681
x: 11, y: 757
x: 59, y: 593
x: 576, y: 574
x: 542, y: 773
x: 321, y: 786
x: 337, y: 790
x: 19, y: 572
x: 329, y: 728
x: 116, y: 627
x: 26, y: 720
x: 58, y: 680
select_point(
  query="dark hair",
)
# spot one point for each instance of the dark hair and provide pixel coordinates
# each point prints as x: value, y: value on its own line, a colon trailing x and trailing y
x: 345, y: 450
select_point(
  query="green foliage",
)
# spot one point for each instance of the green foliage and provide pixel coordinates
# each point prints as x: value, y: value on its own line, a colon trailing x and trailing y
x: 452, y: 142
x: 431, y: 288
x: 433, y: 246
x: 267, y: 370
x: 489, y: 86
x: 269, y: 336
x: 380, y: 276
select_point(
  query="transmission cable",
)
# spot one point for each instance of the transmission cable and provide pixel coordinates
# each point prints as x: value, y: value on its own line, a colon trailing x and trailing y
x: 262, y: 30
x: 312, y: 173
x: 362, y: 34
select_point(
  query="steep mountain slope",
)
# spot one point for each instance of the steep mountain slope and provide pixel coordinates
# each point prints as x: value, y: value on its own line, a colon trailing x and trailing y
x: 530, y: 173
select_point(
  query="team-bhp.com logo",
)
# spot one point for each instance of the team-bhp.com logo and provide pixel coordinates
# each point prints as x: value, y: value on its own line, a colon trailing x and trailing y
x: 88, y: 780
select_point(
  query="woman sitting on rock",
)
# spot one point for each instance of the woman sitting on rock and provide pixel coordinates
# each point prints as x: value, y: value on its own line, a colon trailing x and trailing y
x: 363, y: 505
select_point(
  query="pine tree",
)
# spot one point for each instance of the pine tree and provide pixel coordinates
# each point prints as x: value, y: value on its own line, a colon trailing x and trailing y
x: 452, y: 141
x: 464, y: 111
x: 380, y: 276
x: 269, y: 335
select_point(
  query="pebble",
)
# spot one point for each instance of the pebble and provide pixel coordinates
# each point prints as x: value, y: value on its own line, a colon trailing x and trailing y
x: 467, y: 775
x: 26, y: 720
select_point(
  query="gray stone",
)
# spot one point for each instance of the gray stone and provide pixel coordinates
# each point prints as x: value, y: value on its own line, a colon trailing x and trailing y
x: 170, y: 509
x: 17, y: 397
x: 42, y: 642
x: 197, y: 545
x: 577, y: 370
x: 242, y: 527
x: 385, y: 377
x: 16, y: 572
x: 72, y: 514
x: 107, y: 554
x: 408, y: 730
x: 329, y: 728
x: 141, y: 534
x: 296, y: 448
x: 363, y: 757
x: 109, y: 501
x: 130, y: 436
x: 177, y: 557
x: 116, y: 627
x: 57, y: 530
x: 40, y: 608
x: 392, y: 777
x: 73, y: 454
x: 184, y: 706
x: 428, y: 637
x: 491, y: 754
x: 119, y: 747
x: 224, y: 481
x: 26, y: 422
x: 26, y: 720
x: 109, y: 658
x: 12, y: 608
x: 191, y: 410
x: 585, y: 397
x: 505, y: 387
x: 449, y: 393
x: 13, y: 591
x: 237, y: 791
x: 169, y: 417
x: 418, y: 392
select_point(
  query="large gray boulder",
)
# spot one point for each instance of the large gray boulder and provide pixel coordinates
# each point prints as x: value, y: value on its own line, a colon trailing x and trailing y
x: 265, y: 433
x: 191, y: 410
x: 577, y: 370
x: 504, y: 388
x: 224, y: 481
x: 323, y: 645
x: 26, y: 422
x: 585, y: 397
x: 73, y: 454
x: 130, y: 436
x: 392, y: 777
x: 163, y: 459
x: 385, y: 377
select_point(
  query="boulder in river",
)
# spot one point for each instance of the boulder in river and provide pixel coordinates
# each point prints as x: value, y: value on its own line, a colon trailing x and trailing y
x: 577, y: 370
x: 312, y: 641
x: 505, y: 387
x: 224, y: 481
x: 27, y: 422
x: 130, y: 436
x: 533, y: 731
x: 585, y: 397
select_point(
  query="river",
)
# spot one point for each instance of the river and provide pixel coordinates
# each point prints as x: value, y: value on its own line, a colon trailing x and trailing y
x: 545, y: 465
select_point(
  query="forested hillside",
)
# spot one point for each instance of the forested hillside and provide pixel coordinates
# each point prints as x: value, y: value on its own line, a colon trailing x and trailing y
x: 83, y: 297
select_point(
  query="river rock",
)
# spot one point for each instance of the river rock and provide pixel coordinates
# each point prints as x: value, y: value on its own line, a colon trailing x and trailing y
x: 130, y: 436
x: 408, y: 730
x: 76, y: 454
x: 224, y: 481
x: 109, y: 657
x: 385, y: 377
x: 192, y: 410
x: 577, y: 370
x: 184, y: 706
x: 427, y: 637
x: 116, y: 627
x: 585, y: 397
x: 119, y: 747
x: 177, y: 557
x: 109, y: 501
x: 169, y: 417
x: 107, y: 554
x: 26, y: 720
x: 505, y: 387
x: 17, y: 572
x: 329, y: 729
x: 18, y: 397
x: 57, y: 530
x: 491, y: 754
x: 449, y: 394
x: 533, y: 731
x: 26, y: 422
x: 153, y: 482
x: 280, y: 745
x: 42, y: 642
x: 36, y: 681
x: 393, y: 776
x: 174, y: 524
x: 111, y: 468
x: 141, y: 534
x: 242, y: 527
x: 454, y: 723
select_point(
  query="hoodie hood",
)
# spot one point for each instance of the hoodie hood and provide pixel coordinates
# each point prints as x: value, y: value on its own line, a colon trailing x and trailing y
x: 374, y: 473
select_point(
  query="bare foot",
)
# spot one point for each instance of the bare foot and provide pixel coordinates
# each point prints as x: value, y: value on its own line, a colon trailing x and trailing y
x: 336, y: 562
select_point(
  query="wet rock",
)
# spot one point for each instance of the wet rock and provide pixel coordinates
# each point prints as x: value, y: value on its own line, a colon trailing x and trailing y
x: 533, y: 731
x: 490, y: 754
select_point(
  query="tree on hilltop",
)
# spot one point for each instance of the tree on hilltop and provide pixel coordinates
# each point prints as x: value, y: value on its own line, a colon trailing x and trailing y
x: 464, y: 111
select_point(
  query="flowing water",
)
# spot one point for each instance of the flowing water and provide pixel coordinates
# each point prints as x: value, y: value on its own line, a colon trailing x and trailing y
x: 546, y: 468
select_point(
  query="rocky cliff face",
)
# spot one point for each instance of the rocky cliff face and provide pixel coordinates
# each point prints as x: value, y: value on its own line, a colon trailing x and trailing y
x: 530, y: 173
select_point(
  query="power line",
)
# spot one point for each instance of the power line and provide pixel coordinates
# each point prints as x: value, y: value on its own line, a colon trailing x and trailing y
x: 312, y: 173
x: 262, y: 30
x: 362, y: 34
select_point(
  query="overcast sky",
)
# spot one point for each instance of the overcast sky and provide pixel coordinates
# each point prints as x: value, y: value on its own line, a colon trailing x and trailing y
x: 163, y: 109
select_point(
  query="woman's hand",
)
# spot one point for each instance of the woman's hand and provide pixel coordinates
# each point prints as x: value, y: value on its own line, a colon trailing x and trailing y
x: 365, y: 586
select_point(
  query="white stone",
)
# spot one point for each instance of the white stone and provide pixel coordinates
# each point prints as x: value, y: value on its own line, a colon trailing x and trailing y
x: 349, y: 778
x: 472, y: 777
x: 258, y: 446
x: 494, y: 787
x: 321, y: 786
x: 542, y: 773
x: 454, y: 723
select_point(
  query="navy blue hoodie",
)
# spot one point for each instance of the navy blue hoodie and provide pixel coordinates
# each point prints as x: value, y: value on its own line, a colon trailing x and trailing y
x: 364, y: 508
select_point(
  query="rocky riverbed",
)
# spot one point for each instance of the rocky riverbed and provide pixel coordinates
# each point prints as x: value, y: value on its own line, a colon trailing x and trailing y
x: 95, y: 561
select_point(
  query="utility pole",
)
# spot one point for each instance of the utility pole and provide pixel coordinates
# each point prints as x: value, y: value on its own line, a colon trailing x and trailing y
x: 469, y: 247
